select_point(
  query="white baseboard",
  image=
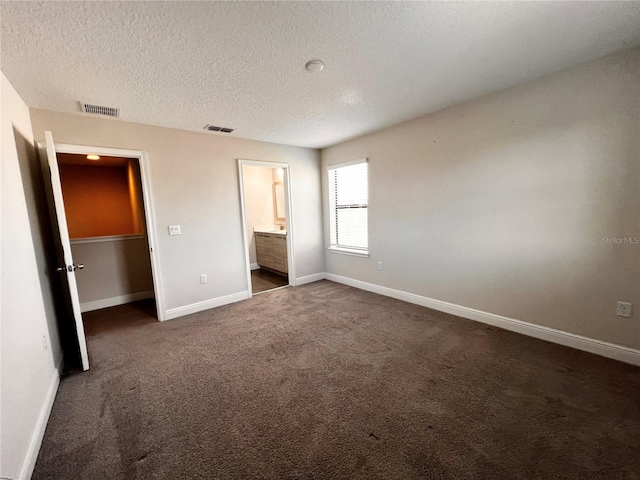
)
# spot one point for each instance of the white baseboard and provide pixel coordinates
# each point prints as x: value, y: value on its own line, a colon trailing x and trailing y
x: 255, y: 266
x: 205, y: 305
x: 310, y: 278
x: 29, y: 460
x: 113, y: 301
x: 591, y: 345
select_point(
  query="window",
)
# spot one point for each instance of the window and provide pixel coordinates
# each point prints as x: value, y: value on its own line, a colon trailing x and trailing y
x: 348, y: 203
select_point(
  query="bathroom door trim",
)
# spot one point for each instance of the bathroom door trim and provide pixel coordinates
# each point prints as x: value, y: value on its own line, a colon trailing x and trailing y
x: 286, y: 180
x: 147, y: 197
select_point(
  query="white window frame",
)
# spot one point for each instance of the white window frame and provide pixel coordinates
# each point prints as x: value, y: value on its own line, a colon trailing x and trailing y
x: 333, y: 246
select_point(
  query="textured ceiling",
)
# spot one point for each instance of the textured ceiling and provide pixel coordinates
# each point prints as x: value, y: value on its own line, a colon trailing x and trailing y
x: 241, y: 64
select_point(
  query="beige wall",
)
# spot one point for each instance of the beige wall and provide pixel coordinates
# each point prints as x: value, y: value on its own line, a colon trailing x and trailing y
x: 501, y: 204
x: 113, y: 268
x: 258, y: 198
x: 194, y: 181
x: 28, y: 371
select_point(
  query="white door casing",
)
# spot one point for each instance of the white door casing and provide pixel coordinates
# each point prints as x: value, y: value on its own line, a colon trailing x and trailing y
x: 50, y: 168
x: 288, y: 214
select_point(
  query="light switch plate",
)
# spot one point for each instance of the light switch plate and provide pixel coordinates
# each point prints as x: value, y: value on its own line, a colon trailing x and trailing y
x: 174, y: 230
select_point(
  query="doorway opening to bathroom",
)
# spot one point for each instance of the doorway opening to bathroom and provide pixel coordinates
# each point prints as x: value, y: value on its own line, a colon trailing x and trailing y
x: 266, y: 219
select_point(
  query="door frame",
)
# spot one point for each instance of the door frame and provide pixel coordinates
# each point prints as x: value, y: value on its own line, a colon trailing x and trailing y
x: 286, y: 182
x: 149, y: 216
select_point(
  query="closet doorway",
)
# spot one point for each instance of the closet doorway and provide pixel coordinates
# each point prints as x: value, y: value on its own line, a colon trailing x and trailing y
x: 107, y: 229
x: 102, y: 221
x: 266, y: 220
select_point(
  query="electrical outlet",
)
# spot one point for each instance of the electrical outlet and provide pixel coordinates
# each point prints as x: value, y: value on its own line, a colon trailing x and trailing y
x: 379, y: 265
x: 174, y: 230
x: 45, y: 346
x: 203, y: 278
x: 624, y: 309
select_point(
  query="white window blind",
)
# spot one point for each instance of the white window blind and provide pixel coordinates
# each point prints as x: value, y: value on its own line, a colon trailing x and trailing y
x: 348, y: 204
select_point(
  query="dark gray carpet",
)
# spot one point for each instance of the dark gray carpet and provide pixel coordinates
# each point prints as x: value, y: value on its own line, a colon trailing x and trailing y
x: 325, y: 381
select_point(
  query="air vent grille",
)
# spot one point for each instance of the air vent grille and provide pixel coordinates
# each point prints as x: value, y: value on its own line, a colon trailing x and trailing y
x: 213, y: 128
x: 99, y: 109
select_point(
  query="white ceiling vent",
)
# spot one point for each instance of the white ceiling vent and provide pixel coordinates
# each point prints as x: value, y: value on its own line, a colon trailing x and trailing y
x: 99, y: 109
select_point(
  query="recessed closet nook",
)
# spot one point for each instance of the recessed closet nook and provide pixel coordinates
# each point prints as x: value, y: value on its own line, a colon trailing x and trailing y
x: 105, y: 216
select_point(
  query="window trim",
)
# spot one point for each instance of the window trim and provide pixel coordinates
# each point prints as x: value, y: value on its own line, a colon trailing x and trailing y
x: 334, y: 248
x: 349, y: 163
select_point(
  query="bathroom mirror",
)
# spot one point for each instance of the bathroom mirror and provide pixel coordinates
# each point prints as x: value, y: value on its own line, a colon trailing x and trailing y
x: 278, y: 196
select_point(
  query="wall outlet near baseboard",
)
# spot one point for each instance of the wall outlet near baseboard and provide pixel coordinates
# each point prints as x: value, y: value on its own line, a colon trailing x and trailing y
x: 203, y: 278
x: 379, y: 265
x: 45, y: 345
x: 175, y: 230
x: 623, y: 309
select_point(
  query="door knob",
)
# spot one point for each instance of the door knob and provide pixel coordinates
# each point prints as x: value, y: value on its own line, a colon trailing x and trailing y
x: 70, y: 268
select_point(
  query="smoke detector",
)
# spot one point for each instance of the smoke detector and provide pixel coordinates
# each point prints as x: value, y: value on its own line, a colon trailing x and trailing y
x: 99, y: 109
x: 314, y: 66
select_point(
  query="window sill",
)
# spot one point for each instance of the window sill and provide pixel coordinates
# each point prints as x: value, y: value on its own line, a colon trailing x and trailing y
x: 348, y: 251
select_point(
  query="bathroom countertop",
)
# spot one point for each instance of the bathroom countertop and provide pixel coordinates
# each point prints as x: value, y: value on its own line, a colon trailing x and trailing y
x: 274, y: 231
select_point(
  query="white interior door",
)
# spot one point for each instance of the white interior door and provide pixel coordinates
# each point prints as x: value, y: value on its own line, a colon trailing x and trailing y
x: 65, y: 265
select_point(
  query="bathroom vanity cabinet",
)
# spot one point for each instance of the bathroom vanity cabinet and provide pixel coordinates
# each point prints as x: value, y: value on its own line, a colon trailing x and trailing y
x: 271, y: 251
